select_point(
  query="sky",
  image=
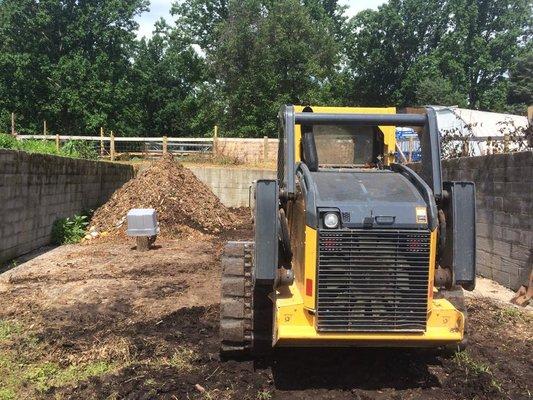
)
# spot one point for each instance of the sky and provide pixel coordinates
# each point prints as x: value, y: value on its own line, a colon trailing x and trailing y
x: 161, y: 9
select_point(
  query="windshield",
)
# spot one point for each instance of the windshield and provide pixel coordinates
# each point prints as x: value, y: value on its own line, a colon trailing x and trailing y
x: 344, y: 145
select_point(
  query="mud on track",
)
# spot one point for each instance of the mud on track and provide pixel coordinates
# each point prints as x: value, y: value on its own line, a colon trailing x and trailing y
x: 152, y: 320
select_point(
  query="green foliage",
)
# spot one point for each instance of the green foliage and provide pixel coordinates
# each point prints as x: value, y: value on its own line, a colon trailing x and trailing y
x: 295, y: 55
x: 79, y: 149
x: 7, y: 141
x: 520, y: 94
x: 73, y: 148
x: 30, y: 146
x: 8, y: 329
x: 408, y: 48
x: 78, y: 65
x: 70, y: 230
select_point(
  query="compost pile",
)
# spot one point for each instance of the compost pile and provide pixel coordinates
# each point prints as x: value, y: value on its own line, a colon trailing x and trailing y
x: 183, y: 203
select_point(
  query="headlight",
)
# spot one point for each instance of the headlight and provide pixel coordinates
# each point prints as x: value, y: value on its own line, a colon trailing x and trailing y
x: 331, y: 220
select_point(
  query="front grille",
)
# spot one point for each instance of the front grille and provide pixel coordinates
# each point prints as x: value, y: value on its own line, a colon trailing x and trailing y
x: 372, y: 280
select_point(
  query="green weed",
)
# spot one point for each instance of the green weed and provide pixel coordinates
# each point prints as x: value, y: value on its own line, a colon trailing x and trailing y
x: 70, y: 230
x: 264, y: 395
x: 45, y: 376
x: 7, y: 141
x: 79, y: 149
x: 7, y: 394
x: 475, y: 369
x: 183, y: 359
x: 510, y: 314
x: 8, y: 328
x: 72, y: 148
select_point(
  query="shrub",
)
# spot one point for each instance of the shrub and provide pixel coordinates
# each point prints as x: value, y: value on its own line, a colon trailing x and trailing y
x: 37, y: 146
x: 7, y: 141
x: 79, y: 149
x: 70, y: 230
x: 73, y: 148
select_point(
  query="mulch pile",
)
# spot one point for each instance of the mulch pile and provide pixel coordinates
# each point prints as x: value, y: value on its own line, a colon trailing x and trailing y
x: 183, y: 203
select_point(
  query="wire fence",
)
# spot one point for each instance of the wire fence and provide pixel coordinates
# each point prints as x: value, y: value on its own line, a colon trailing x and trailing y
x: 127, y: 148
x: 407, y: 146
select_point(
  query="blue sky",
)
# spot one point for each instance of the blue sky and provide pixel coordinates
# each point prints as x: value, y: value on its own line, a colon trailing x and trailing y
x: 161, y: 8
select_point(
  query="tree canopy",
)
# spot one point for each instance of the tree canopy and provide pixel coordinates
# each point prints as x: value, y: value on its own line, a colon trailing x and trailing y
x: 79, y: 65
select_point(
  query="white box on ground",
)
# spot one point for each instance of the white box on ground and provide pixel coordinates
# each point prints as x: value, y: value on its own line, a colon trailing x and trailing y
x: 142, y: 222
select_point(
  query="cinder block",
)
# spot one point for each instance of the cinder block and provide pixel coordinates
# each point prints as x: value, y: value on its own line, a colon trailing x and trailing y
x: 511, y: 235
x: 502, y: 218
x: 520, y: 252
x: 500, y: 248
x: 502, y: 277
x: 526, y: 237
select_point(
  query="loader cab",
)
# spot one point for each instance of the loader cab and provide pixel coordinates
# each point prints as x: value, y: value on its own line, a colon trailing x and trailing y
x: 331, y: 146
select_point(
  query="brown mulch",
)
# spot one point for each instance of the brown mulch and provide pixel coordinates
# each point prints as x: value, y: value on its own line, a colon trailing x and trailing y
x: 183, y: 203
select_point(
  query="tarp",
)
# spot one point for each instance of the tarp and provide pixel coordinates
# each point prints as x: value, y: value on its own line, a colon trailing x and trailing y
x: 464, y: 122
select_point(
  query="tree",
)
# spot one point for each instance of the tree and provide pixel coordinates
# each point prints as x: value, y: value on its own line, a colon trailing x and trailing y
x: 199, y: 20
x: 68, y: 62
x: 268, y: 54
x: 466, y: 45
x: 170, y: 77
x: 520, y: 94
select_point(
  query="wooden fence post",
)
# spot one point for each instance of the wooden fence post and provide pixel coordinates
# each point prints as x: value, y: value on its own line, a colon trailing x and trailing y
x: 165, y: 145
x: 215, y: 140
x: 112, y: 146
x: 101, y: 141
x: 44, y: 128
x: 57, y: 143
x: 13, y: 124
x: 265, y: 149
x: 506, y: 143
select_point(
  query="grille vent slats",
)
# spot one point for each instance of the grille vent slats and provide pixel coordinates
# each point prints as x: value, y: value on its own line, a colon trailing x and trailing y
x: 373, y: 280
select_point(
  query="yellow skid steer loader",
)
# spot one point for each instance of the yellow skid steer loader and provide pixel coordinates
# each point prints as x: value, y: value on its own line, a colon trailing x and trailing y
x: 351, y: 248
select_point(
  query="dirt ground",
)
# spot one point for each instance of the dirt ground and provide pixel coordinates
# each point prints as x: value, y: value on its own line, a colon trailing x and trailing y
x: 102, y: 321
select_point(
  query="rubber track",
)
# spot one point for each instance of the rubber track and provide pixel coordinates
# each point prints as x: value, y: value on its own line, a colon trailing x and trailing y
x: 236, y: 325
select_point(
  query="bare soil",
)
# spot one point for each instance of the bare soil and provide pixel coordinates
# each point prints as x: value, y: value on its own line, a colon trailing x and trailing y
x: 153, y: 317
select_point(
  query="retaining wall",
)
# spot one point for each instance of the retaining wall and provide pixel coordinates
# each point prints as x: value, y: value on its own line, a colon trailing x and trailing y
x: 36, y: 190
x: 504, y: 201
x: 231, y: 185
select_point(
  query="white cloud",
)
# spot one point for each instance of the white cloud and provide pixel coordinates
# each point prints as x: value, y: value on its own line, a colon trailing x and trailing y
x: 161, y: 9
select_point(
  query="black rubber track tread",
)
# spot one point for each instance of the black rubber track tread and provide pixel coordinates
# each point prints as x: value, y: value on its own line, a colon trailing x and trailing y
x: 236, y: 299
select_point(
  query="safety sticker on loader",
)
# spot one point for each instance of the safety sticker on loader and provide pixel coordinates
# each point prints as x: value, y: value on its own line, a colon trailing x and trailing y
x: 421, y: 215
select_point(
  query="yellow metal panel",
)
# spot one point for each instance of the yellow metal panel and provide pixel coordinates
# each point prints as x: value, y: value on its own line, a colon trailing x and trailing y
x: 310, y: 265
x: 294, y: 326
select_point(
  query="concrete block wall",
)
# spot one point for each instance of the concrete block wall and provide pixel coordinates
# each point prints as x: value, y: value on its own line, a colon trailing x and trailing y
x: 36, y: 190
x: 504, y: 201
x: 231, y: 185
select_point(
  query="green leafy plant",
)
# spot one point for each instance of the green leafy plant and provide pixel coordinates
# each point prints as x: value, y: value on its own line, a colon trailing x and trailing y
x: 70, y: 230
x: 72, y: 148
x: 79, y: 149
x: 37, y: 146
x: 7, y: 141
